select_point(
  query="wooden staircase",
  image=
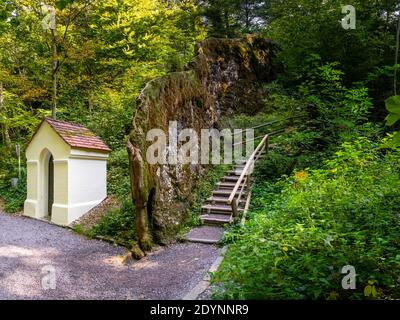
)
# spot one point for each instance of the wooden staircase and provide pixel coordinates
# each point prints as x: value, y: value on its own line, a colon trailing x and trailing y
x: 216, y: 211
x: 229, y: 201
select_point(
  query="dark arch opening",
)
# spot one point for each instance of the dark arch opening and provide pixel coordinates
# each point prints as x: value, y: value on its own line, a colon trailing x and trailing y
x: 50, y: 184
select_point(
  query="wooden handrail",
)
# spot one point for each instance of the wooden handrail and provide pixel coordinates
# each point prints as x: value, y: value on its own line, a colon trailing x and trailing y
x: 233, y: 201
x: 268, y: 123
x: 245, y: 171
x: 256, y: 138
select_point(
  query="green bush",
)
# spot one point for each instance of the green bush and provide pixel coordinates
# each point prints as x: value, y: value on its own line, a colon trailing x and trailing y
x: 304, y: 229
x: 117, y: 225
x: 13, y: 198
x: 118, y: 173
x: 297, y: 149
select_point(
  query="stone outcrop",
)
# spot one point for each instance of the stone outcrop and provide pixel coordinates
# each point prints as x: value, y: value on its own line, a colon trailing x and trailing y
x: 224, y: 77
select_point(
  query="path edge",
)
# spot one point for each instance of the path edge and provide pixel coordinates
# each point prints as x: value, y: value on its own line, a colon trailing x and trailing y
x: 204, y: 284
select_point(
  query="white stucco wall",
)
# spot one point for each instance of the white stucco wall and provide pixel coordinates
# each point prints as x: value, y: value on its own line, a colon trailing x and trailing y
x: 87, y: 176
x: 45, y: 142
x: 80, y: 178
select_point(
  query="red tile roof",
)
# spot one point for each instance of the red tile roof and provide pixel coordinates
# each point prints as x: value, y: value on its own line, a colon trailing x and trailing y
x: 77, y: 136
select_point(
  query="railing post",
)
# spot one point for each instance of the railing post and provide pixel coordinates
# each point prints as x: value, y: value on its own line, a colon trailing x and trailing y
x: 234, y: 208
x: 248, y: 182
x: 246, y: 174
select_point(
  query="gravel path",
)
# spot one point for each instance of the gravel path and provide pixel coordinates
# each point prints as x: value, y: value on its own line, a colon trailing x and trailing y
x: 90, y: 269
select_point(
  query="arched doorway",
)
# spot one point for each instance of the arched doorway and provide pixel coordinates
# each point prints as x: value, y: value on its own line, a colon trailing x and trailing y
x: 47, y: 183
x: 50, y: 184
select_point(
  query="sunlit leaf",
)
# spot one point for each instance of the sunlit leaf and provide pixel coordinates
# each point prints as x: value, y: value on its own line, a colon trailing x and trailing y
x: 391, y: 119
x: 368, y: 291
x: 393, y: 104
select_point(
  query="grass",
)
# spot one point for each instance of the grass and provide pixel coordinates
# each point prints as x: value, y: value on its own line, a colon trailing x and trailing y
x: 117, y: 226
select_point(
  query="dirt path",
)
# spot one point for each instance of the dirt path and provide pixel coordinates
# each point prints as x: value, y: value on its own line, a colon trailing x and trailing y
x: 90, y: 269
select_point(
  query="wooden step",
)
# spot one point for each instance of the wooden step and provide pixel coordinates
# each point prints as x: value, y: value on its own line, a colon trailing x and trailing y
x: 235, y: 172
x: 226, y: 185
x: 230, y: 178
x: 216, y: 219
x: 220, y: 208
x: 205, y: 234
x: 224, y: 192
x: 220, y: 200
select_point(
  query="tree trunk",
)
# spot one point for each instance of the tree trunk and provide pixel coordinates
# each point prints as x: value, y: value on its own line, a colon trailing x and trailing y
x: 247, y: 13
x: 139, y: 197
x: 4, y: 129
x: 54, y: 75
x: 397, y: 55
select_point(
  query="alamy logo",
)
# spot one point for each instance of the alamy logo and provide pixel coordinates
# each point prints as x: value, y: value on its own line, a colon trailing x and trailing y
x: 349, y: 21
x: 187, y: 146
x: 48, y: 278
x: 349, y: 280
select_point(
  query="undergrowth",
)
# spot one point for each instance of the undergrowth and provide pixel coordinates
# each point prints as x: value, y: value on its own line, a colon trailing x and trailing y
x: 306, y: 227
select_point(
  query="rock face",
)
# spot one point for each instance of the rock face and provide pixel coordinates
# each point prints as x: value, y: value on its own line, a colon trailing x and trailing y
x: 223, y: 77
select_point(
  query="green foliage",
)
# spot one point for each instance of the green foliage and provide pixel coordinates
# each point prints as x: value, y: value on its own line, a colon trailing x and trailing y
x: 305, y: 228
x: 338, y: 110
x: 107, y: 51
x: 393, y: 106
x: 314, y: 27
x: 233, y: 18
x: 297, y: 149
x: 79, y: 229
x: 117, y: 225
x: 243, y: 121
x: 118, y: 174
x: 13, y: 198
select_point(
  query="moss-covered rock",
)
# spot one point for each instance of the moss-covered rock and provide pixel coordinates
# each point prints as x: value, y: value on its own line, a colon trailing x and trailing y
x: 223, y: 77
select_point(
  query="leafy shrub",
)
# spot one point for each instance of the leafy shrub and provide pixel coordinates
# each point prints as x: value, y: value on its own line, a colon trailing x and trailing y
x: 393, y: 106
x: 13, y: 198
x: 117, y: 225
x: 118, y: 173
x: 273, y: 166
x: 297, y: 149
x: 339, y: 109
x: 306, y: 228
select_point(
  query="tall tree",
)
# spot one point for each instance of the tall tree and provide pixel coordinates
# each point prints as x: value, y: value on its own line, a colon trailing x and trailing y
x: 231, y: 18
x: 396, y: 61
x: 4, y: 131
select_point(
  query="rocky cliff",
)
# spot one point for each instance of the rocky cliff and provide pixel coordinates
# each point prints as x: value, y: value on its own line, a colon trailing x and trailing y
x: 224, y: 77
